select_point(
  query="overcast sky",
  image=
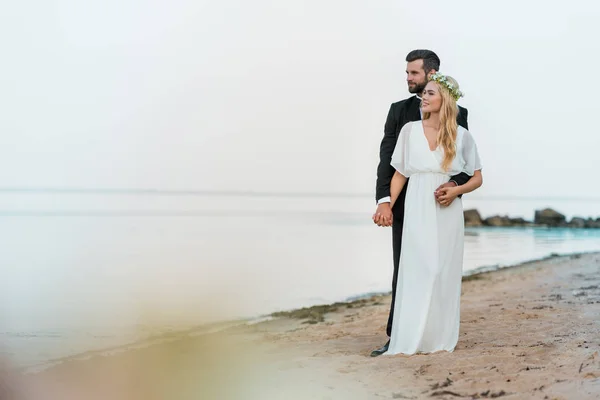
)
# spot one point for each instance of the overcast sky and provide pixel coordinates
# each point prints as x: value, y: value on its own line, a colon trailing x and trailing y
x: 288, y: 95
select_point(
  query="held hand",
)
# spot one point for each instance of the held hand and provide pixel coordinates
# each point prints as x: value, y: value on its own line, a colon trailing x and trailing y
x: 446, y: 195
x: 383, y: 215
x: 443, y: 185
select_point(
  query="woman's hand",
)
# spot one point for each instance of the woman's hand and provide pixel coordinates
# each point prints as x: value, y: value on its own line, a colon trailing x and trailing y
x: 383, y: 215
x: 446, y: 195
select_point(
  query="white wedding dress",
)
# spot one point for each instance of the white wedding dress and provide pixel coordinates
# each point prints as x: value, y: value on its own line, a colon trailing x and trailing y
x: 427, y: 308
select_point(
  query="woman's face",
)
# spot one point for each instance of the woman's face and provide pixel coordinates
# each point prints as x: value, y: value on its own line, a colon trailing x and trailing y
x: 432, y: 99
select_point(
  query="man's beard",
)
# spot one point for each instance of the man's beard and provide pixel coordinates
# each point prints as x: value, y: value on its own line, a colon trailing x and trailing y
x: 418, y: 88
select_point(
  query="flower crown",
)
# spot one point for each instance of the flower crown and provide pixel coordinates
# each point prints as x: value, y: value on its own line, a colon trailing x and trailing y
x: 441, y: 79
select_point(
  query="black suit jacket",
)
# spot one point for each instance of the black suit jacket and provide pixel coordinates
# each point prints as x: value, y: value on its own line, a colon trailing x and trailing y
x: 400, y: 114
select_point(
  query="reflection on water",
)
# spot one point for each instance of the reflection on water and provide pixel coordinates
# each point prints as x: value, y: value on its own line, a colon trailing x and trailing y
x: 508, y: 246
x: 82, y: 274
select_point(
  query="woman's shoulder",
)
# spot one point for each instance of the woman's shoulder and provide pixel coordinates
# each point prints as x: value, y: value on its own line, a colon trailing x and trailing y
x: 407, y: 127
x: 464, y: 138
x: 415, y: 124
x: 462, y: 132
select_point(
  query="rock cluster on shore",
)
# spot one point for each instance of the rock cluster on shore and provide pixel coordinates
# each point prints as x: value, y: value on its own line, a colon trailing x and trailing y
x: 543, y: 218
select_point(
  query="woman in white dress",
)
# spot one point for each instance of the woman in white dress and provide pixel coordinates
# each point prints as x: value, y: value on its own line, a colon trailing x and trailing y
x: 427, y: 309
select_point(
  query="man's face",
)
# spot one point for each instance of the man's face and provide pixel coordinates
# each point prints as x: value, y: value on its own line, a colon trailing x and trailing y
x: 415, y: 76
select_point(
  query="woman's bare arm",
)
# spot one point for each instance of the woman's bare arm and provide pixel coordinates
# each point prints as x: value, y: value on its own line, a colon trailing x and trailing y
x: 474, y: 183
x: 447, y: 195
x: 398, y: 182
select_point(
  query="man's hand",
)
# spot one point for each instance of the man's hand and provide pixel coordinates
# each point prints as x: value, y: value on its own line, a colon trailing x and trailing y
x: 383, y: 215
x: 446, y: 194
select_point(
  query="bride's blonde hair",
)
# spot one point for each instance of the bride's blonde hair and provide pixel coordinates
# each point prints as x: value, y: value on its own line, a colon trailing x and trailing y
x: 446, y: 137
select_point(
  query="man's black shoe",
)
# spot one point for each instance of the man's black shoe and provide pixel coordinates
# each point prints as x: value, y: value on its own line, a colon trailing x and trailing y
x: 380, y: 350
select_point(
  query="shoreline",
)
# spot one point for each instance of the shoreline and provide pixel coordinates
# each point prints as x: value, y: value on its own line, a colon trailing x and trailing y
x: 527, y: 332
x: 313, y: 313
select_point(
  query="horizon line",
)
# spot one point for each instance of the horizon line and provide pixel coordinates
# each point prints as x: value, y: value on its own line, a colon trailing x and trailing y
x: 245, y: 193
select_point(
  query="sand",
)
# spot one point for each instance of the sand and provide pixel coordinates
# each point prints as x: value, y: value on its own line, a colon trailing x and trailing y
x: 527, y: 332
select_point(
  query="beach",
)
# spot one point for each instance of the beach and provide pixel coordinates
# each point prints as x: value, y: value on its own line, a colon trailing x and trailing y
x: 527, y: 332
x: 188, y: 194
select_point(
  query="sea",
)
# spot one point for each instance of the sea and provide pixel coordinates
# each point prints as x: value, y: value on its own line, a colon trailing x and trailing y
x: 86, y: 271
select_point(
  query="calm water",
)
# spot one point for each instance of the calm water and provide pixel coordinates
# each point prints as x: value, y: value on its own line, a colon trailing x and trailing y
x: 87, y: 271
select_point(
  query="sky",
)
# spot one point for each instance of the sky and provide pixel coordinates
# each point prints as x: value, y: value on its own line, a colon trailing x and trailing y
x: 288, y: 96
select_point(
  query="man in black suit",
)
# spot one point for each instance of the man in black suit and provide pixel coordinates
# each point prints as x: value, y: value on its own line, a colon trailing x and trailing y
x: 420, y: 64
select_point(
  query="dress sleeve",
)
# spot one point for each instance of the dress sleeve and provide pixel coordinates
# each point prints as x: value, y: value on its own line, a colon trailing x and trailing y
x: 470, y: 154
x: 400, y: 156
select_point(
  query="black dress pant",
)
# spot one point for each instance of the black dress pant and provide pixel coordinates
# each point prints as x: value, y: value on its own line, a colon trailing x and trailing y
x: 396, y: 245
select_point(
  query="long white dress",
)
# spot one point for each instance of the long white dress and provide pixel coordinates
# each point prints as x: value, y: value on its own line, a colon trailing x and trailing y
x: 427, y: 308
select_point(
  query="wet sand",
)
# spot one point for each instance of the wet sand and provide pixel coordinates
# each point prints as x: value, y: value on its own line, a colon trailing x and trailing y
x: 527, y: 332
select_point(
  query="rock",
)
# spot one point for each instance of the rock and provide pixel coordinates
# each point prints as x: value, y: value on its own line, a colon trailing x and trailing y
x: 549, y: 217
x: 590, y: 223
x: 543, y: 218
x: 577, y: 222
x: 498, y: 221
x: 472, y: 218
x: 520, y: 222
